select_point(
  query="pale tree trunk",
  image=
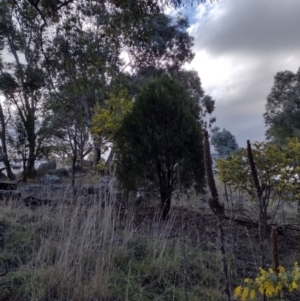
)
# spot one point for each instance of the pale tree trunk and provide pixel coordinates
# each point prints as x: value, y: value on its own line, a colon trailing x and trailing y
x: 9, y: 172
x: 110, y: 156
x: 96, y: 140
x: 26, y: 110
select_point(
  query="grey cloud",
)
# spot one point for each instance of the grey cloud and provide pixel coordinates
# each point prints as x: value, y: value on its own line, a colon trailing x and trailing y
x: 242, y: 107
x: 243, y: 128
x: 251, y: 26
x: 259, y: 34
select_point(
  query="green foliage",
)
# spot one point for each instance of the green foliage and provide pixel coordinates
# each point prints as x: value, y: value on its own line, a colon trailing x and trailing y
x: 107, y: 118
x: 53, y: 10
x: 200, y: 104
x: 223, y: 142
x: 270, y: 284
x: 71, y: 49
x: 155, y: 272
x: 23, y: 77
x: 159, y: 140
x: 277, y: 168
x: 282, y: 109
x: 53, y: 254
x: 8, y: 84
x: 162, y: 42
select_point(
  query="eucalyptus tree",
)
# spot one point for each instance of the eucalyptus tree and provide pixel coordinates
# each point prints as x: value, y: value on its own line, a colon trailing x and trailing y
x: 22, y: 77
x: 223, y: 142
x: 159, y: 41
x: 201, y: 104
x: 85, y: 51
x: 158, y: 44
x: 129, y: 9
x: 70, y: 130
x: 282, y: 116
x: 83, y: 58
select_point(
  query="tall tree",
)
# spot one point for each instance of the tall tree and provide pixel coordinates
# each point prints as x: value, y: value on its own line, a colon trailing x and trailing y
x: 87, y: 37
x: 70, y: 128
x: 85, y: 56
x: 22, y: 81
x: 202, y: 105
x: 85, y: 53
x: 282, y: 116
x: 160, y: 141
x: 130, y: 9
x: 160, y: 42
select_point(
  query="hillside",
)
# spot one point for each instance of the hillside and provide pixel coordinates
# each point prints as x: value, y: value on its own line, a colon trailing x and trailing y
x: 105, y: 250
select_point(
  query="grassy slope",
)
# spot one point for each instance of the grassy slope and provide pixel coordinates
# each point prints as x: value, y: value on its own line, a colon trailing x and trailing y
x: 79, y: 252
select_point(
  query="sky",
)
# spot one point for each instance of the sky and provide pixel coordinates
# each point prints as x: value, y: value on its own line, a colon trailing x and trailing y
x: 239, y: 47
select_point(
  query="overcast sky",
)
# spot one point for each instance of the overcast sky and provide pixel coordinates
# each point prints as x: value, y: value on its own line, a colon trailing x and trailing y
x: 240, y: 46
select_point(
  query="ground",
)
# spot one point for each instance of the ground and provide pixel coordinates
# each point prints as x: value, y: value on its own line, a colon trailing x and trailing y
x: 106, y: 251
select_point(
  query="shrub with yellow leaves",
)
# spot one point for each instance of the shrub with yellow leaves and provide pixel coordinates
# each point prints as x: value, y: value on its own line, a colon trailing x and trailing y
x: 108, y: 117
x: 269, y: 284
x: 277, y: 170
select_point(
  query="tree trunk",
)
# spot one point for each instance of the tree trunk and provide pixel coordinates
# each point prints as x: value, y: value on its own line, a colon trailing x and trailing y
x: 9, y: 172
x: 262, y: 206
x: 74, y: 159
x: 31, y: 139
x: 166, y: 195
x: 226, y: 193
x: 30, y: 172
x: 110, y: 156
x: 97, y: 151
x: 96, y: 141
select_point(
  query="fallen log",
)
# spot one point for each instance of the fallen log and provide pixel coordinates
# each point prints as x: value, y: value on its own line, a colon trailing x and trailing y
x: 9, y: 193
x: 32, y: 202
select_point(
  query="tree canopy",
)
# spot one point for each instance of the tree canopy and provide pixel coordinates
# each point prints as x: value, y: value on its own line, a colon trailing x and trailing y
x: 277, y: 169
x: 282, y: 116
x: 160, y: 141
x: 70, y: 51
x: 223, y: 142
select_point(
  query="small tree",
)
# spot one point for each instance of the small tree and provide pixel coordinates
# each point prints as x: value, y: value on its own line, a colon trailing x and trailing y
x: 277, y: 170
x: 160, y: 141
x: 108, y: 117
x: 223, y: 142
x: 265, y: 173
x: 70, y: 129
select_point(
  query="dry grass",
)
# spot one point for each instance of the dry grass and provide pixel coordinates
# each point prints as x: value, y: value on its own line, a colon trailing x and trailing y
x: 78, y: 252
x: 91, y: 251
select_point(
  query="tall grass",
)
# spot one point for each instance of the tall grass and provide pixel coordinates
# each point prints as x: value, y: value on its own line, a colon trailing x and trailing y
x: 97, y: 251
